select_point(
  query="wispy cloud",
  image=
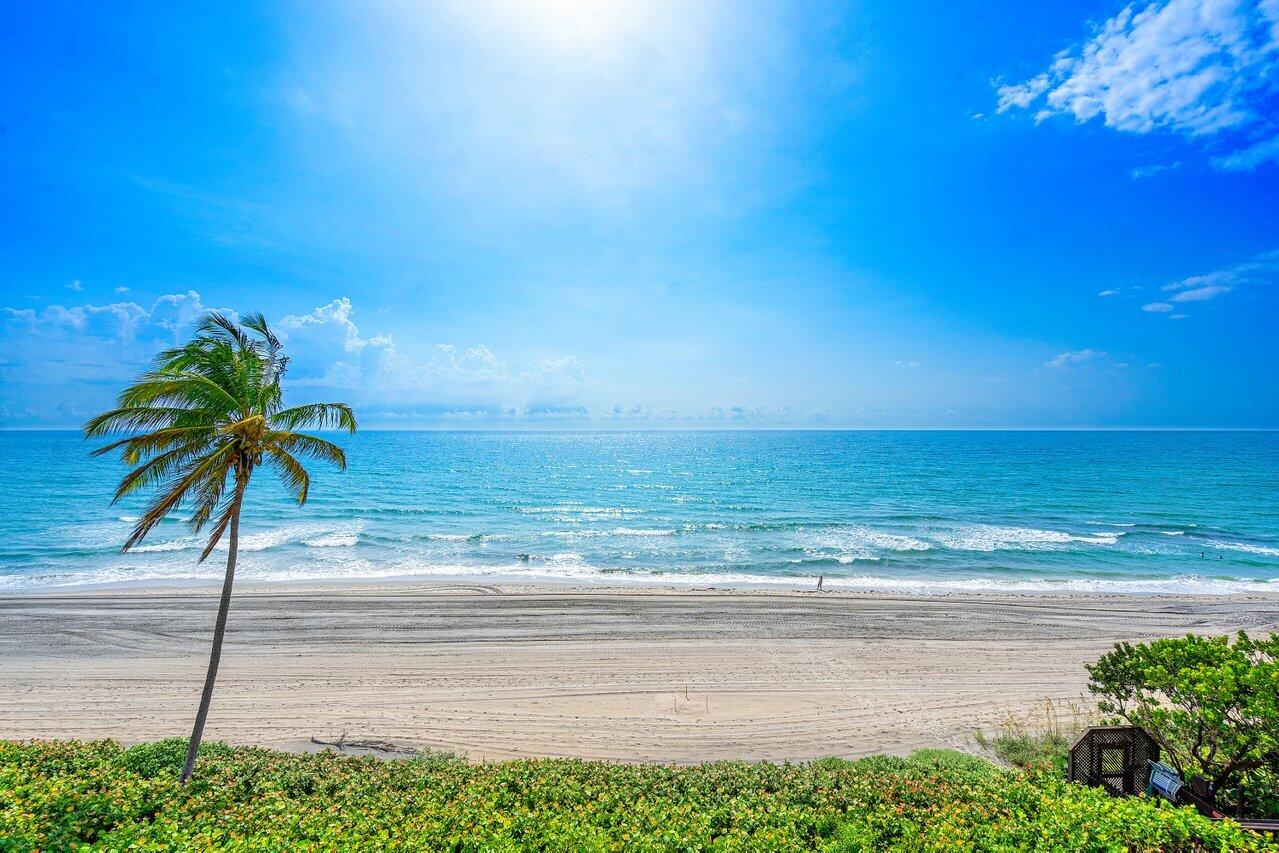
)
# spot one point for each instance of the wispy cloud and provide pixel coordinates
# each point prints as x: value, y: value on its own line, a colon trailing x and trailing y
x: 1199, y: 294
x: 1150, y: 171
x: 1066, y: 359
x: 1262, y: 270
x: 1203, y: 69
x: 1247, y: 159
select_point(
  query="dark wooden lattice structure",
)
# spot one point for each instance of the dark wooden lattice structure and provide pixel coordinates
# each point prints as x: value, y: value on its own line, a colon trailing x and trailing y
x: 1116, y: 758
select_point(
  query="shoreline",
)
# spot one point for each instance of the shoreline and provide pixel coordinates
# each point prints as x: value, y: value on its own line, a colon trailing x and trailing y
x: 491, y: 671
x: 648, y: 583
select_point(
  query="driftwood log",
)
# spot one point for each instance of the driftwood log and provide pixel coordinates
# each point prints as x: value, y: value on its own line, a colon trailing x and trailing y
x: 372, y: 744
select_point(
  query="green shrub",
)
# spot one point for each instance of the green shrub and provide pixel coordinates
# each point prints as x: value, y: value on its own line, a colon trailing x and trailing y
x: 1041, y: 739
x: 950, y: 759
x: 149, y: 760
x: 1027, y: 749
x: 1211, y: 702
x: 97, y: 796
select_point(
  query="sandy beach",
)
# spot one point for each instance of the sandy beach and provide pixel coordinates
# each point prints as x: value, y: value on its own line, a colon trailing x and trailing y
x: 609, y: 673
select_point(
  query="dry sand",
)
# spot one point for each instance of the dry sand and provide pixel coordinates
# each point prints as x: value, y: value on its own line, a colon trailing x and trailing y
x: 622, y: 674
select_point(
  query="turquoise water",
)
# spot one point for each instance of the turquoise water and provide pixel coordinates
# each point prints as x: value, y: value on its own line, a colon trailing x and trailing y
x: 893, y: 511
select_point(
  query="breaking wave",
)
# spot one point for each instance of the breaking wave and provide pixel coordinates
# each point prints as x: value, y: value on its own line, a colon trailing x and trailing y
x: 986, y: 537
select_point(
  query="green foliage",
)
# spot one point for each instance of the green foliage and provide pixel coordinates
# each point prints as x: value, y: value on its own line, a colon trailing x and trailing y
x: 59, y: 796
x: 1027, y: 750
x: 949, y: 759
x: 1212, y: 703
x: 1039, y: 740
x: 153, y: 759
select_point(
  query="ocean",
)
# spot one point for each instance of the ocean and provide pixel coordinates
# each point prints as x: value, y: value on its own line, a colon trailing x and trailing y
x: 909, y: 512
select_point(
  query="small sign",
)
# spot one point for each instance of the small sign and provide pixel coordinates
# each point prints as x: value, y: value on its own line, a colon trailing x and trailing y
x: 1164, y: 781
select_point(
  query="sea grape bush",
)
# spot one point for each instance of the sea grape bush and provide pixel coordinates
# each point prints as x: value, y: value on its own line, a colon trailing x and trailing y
x: 100, y: 796
x: 1211, y: 702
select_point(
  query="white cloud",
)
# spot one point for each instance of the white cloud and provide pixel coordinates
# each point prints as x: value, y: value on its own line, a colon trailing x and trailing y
x: 1199, y: 294
x: 1150, y: 171
x: 87, y: 351
x: 175, y: 311
x: 1021, y: 95
x: 617, y: 413
x: 1249, y: 158
x: 1262, y: 270
x: 120, y: 322
x: 62, y: 364
x: 1109, y: 293
x: 331, y: 352
x: 75, y: 286
x: 1066, y: 359
x: 337, y: 314
x: 910, y: 364
x: 122, y: 289
x: 1198, y: 68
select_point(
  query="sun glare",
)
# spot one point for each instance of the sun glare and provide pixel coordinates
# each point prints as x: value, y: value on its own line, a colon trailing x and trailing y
x: 577, y: 25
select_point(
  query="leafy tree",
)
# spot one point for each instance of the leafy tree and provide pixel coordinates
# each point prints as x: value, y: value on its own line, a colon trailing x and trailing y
x: 1212, y: 703
x: 198, y: 424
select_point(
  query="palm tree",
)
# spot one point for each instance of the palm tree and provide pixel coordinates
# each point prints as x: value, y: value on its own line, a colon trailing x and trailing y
x: 199, y: 423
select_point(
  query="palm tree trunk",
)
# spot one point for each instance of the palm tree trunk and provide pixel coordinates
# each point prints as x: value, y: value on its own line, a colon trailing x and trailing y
x: 219, y: 629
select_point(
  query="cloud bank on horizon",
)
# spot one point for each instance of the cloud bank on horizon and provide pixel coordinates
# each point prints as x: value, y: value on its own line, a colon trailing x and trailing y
x: 84, y: 346
x: 511, y: 213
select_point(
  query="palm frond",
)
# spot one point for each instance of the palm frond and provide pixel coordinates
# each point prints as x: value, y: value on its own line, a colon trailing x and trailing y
x: 301, y: 444
x: 157, y: 468
x: 186, y: 390
x: 208, y: 492
x: 166, y: 438
x: 276, y: 364
x: 217, y: 325
x: 219, y: 528
x: 295, y: 478
x: 133, y: 418
x: 315, y: 416
x: 174, y: 494
x: 257, y: 323
x: 250, y: 429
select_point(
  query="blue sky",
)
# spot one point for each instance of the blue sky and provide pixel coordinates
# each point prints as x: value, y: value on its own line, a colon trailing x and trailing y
x: 568, y: 214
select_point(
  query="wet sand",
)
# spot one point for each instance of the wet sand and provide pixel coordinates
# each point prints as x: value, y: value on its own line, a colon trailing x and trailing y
x: 609, y: 673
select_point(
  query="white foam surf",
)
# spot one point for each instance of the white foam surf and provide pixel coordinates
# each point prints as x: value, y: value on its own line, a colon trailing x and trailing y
x: 1246, y: 547
x: 334, y: 540
x: 572, y: 567
x: 315, y: 534
x: 989, y: 537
